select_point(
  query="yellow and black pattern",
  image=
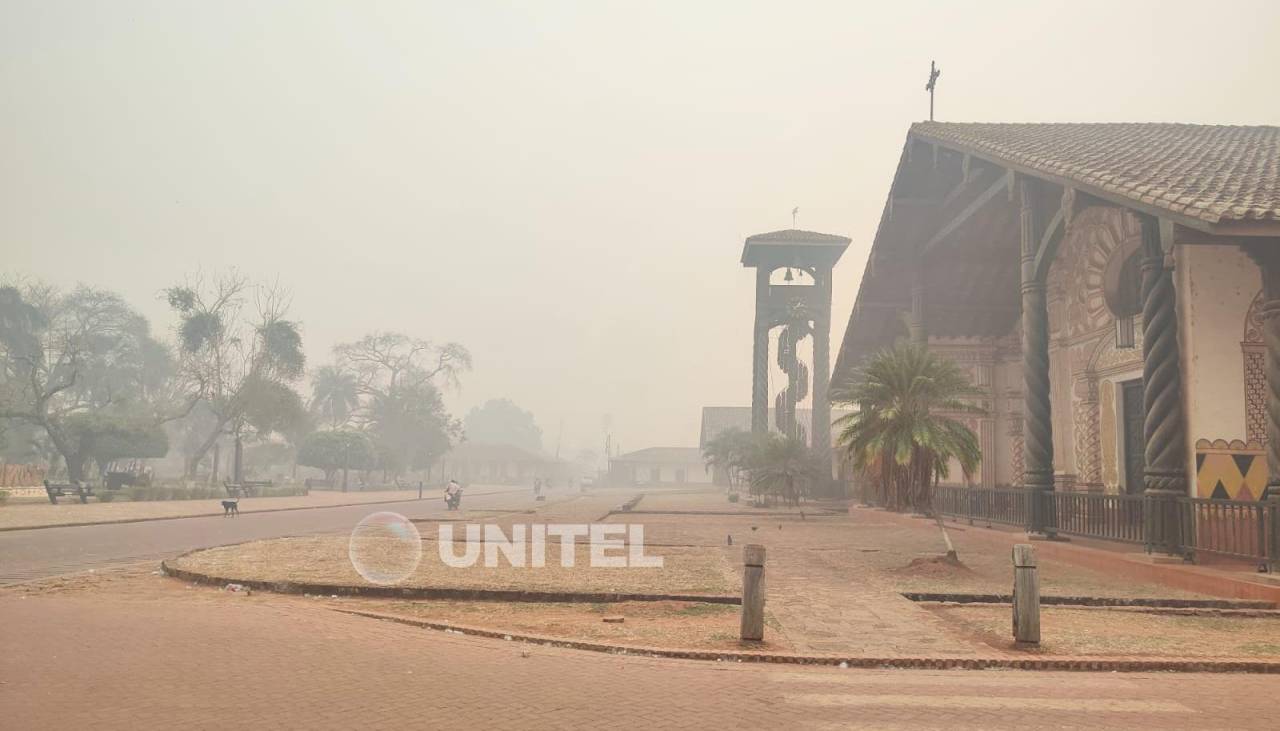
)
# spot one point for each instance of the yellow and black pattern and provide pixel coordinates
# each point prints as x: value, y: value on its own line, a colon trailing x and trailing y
x: 1232, y: 470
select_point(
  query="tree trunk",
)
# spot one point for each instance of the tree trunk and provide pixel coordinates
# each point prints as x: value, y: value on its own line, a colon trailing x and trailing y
x: 194, y: 464
x: 217, y: 463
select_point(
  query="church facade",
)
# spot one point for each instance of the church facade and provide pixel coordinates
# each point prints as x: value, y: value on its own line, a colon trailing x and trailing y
x: 1113, y: 290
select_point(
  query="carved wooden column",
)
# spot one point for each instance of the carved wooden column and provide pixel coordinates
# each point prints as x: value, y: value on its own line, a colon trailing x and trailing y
x: 820, y: 428
x: 1269, y: 315
x: 1164, y: 430
x: 919, y: 335
x: 760, y: 356
x: 1268, y: 258
x: 1037, y: 407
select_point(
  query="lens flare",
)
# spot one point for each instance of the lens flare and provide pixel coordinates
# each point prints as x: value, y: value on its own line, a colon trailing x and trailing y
x: 385, y: 548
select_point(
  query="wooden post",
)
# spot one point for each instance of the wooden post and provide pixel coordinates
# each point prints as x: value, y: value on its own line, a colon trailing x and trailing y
x: 752, y: 592
x: 1026, y: 595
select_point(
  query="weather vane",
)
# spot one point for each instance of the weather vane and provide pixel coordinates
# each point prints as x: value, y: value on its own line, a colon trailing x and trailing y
x: 794, y: 212
x: 934, y: 73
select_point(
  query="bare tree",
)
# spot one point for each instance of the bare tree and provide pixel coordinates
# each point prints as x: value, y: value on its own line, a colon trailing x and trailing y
x: 231, y: 352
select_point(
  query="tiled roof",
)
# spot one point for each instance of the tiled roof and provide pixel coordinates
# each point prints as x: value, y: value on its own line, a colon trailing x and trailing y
x: 481, y: 452
x: 1210, y: 173
x: 796, y: 236
x: 718, y: 419
x: 663, y: 455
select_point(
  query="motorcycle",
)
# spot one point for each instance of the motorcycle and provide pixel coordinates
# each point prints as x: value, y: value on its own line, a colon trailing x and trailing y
x: 453, y: 500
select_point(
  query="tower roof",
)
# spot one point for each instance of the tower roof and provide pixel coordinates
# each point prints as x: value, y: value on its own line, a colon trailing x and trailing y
x: 793, y: 246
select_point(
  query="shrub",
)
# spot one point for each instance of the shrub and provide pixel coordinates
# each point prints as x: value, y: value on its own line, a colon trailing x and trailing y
x: 733, y: 497
x: 4, y: 495
x: 106, y: 496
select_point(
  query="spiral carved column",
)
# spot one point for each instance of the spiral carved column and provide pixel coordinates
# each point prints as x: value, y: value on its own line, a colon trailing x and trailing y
x: 1269, y: 314
x: 1037, y: 410
x: 1165, y: 475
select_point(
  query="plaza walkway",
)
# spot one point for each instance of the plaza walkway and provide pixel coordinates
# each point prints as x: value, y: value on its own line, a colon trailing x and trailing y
x: 208, y: 660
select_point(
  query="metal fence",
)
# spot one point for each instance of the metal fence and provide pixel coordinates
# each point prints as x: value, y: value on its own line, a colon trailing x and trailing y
x: 1234, y: 528
x: 984, y: 505
x: 1111, y: 517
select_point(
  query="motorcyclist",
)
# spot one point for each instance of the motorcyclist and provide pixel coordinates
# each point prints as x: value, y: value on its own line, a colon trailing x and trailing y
x: 453, y: 495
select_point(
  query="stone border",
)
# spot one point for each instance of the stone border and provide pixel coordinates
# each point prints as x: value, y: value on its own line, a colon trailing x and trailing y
x: 121, y: 521
x: 436, y: 592
x: 1093, y: 601
x: 1103, y: 664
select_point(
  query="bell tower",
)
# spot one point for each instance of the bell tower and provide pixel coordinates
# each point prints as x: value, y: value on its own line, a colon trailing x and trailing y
x: 799, y: 303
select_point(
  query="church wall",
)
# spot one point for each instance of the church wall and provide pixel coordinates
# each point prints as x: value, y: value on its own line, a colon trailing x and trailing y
x: 1218, y: 288
x: 986, y: 361
x: 1085, y: 366
x: 1223, y: 370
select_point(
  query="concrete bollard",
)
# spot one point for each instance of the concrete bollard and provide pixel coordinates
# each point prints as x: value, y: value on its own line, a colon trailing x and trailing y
x: 752, y: 627
x: 1026, y: 595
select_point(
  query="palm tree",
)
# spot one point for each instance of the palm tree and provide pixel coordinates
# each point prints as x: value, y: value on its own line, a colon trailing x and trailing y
x: 728, y: 451
x: 335, y: 394
x: 903, y: 434
x: 783, y: 467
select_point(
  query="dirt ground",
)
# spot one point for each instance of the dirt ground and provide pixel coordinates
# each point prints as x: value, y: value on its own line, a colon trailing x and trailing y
x: 1098, y: 631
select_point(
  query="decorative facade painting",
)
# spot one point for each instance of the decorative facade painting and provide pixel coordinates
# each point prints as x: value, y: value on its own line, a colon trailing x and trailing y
x: 1232, y: 470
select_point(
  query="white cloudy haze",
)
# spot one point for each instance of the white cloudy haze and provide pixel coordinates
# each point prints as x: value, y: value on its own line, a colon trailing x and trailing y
x: 562, y: 187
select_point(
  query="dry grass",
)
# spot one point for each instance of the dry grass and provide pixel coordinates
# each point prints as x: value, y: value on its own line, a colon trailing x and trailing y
x: 326, y: 559
x: 1079, y: 631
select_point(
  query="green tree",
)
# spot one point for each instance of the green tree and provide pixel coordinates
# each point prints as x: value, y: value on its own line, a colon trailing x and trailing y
x: 728, y: 452
x: 501, y: 421
x: 410, y: 427
x: 781, y: 467
x: 903, y: 432
x: 63, y: 354
x: 230, y: 353
x: 103, y: 438
x: 399, y: 404
x: 342, y: 449
x: 335, y: 395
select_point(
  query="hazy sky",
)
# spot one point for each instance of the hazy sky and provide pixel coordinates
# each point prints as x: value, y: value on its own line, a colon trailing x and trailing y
x: 562, y: 187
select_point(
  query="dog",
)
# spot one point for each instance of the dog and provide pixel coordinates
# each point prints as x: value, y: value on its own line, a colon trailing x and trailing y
x: 230, y: 508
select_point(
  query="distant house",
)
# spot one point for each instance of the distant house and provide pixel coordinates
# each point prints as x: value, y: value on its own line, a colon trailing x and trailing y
x: 499, y: 464
x: 659, y: 466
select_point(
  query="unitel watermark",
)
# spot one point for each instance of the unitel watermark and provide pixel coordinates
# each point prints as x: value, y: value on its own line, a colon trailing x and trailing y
x: 386, y: 548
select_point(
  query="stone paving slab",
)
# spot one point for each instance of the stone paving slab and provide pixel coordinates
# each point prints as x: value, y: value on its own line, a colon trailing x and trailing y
x: 218, y: 661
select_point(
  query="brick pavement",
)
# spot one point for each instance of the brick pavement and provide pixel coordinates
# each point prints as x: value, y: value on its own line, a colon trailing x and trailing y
x: 201, y: 659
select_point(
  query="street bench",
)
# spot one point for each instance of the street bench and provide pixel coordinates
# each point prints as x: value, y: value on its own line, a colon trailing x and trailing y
x: 57, y: 490
x: 246, y: 488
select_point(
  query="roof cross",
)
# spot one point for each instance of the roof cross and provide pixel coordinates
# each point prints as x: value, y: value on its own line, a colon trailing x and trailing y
x: 934, y: 73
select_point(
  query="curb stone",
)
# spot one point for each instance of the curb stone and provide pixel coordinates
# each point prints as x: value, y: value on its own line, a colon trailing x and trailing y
x: 122, y: 521
x: 1085, y: 664
x: 438, y: 592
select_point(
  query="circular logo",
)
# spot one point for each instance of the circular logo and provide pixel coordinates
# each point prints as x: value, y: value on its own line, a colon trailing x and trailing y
x: 385, y: 548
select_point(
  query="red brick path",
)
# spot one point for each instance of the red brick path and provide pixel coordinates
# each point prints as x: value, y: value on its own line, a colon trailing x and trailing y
x: 219, y: 661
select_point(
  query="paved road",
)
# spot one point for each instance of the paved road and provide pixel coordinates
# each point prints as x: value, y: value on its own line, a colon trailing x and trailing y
x: 44, y: 552
x: 207, y: 659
